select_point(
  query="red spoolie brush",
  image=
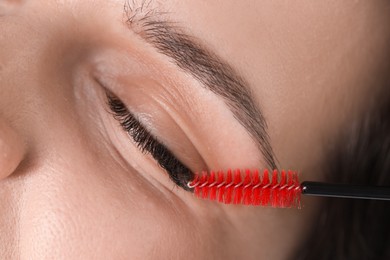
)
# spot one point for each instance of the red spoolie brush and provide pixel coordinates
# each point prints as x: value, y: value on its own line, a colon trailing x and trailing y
x: 281, y: 190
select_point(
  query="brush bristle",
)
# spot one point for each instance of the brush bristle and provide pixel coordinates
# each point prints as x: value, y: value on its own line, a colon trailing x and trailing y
x: 280, y: 190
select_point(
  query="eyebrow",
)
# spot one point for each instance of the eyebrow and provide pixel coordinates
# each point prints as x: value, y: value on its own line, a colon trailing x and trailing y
x: 205, y: 66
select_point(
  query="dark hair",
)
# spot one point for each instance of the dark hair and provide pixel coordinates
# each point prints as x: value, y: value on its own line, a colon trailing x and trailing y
x: 356, y: 229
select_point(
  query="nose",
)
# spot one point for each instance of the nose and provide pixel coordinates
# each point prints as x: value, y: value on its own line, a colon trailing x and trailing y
x: 12, y: 149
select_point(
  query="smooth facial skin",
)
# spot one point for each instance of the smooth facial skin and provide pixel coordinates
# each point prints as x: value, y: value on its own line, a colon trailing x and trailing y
x: 73, y: 185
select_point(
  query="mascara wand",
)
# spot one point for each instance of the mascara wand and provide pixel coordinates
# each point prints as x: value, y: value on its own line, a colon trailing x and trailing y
x: 281, y: 190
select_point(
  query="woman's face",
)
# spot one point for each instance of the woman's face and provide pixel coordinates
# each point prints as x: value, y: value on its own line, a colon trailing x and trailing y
x: 221, y: 84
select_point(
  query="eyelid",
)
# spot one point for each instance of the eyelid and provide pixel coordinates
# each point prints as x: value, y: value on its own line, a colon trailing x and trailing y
x: 178, y: 172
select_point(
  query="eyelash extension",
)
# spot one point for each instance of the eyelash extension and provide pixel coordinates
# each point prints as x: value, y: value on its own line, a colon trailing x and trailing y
x: 177, y: 171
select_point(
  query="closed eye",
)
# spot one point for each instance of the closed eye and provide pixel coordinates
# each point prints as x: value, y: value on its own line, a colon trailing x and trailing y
x: 178, y: 172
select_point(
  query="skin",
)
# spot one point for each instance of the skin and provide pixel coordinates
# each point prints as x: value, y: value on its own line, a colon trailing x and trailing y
x: 74, y: 186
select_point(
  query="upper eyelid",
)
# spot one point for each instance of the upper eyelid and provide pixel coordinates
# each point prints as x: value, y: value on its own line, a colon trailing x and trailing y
x: 178, y: 172
x: 205, y: 66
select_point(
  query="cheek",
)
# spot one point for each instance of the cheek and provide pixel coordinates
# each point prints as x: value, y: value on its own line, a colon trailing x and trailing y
x: 91, y: 210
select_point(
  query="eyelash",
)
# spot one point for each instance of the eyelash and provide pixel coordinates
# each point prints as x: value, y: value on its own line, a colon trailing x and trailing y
x: 147, y: 143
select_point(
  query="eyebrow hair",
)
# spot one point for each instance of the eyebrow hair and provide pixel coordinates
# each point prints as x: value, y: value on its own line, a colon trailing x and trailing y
x: 205, y: 66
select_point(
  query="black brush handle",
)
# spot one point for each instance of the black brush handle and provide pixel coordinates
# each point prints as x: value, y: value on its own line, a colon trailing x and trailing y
x: 345, y: 191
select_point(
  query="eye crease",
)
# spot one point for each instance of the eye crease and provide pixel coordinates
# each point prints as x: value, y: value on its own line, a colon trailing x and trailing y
x: 177, y: 171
